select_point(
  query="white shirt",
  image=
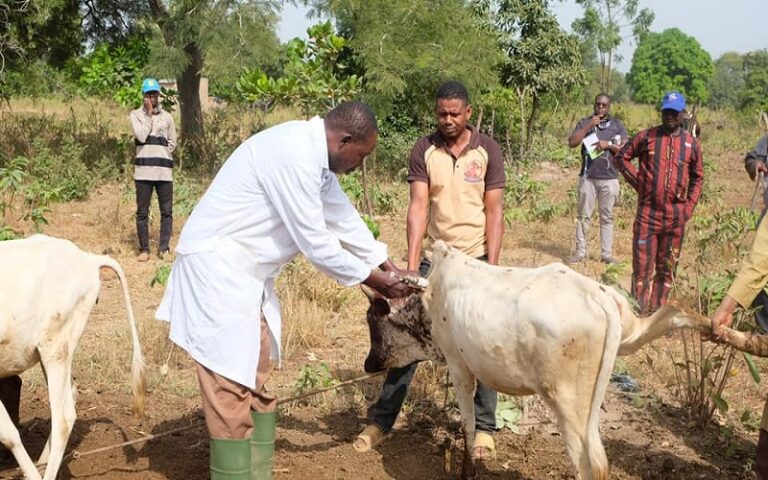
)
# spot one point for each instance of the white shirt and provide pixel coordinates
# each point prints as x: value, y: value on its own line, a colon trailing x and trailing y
x: 272, y: 199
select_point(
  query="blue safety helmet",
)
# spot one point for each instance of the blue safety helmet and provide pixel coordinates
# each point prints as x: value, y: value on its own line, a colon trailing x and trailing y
x: 150, y: 85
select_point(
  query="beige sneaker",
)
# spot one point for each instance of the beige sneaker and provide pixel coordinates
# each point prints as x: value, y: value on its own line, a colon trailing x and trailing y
x: 143, y: 257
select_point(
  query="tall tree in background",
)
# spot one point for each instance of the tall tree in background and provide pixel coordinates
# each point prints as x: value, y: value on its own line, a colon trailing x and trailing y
x: 406, y: 48
x: 666, y: 61
x: 727, y: 83
x: 192, y: 32
x: 755, y: 92
x: 602, y: 26
x: 542, y: 59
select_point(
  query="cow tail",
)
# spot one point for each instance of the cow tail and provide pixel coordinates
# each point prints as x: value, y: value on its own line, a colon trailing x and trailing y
x: 597, y: 458
x: 138, y: 374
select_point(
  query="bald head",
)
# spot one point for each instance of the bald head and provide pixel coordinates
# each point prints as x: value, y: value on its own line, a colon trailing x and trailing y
x: 351, y: 134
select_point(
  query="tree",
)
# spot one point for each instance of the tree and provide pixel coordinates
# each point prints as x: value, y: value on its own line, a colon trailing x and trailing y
x: 601, y: 26
x: 189, y: 29
x: 542, y: 59
x: 727, y: 83
x: 312, y: 78
x: 406, y: 48
x: 666, y: 61
x: 755, y: 92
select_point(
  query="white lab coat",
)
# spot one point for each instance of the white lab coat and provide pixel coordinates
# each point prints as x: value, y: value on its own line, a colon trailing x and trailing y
x: 272, y: 199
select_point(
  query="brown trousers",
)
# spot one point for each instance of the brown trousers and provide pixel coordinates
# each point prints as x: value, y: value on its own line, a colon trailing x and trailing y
x: 227, y: 405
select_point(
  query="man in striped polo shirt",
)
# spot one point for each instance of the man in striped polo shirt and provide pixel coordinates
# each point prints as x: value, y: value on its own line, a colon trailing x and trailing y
x: 668, y: 181
x: 155, y: 138
x: 457, y: 179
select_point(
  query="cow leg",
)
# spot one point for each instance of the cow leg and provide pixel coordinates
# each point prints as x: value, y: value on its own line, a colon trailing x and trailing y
x: 465, y: 384
x: 62, y: 409
x: 47, y: 449
x: 9, y: 436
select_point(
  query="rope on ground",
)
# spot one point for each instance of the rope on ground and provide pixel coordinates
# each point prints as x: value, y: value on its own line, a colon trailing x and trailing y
x: 75, y: 454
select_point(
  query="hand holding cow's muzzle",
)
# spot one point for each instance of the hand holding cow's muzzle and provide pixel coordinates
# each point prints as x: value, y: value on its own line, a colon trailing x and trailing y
x: 393, y: 285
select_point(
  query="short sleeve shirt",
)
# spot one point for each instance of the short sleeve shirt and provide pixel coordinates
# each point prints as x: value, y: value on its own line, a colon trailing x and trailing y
x: 457, y: 187
x: 602, y: 166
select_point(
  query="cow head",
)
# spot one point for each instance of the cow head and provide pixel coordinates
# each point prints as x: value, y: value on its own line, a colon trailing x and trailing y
x: 400, y: 333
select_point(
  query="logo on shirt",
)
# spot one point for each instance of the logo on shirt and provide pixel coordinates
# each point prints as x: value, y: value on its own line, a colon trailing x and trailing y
x: 473, y: 172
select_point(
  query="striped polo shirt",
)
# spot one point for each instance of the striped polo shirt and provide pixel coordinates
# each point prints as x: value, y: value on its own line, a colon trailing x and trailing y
x: 457, y: 187
x: 155, y: 139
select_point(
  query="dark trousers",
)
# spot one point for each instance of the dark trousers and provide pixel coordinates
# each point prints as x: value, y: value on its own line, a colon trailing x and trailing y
x: 143, y: 199
x: 384, y: 412
x: 659, y: 251
x: 10, y: 396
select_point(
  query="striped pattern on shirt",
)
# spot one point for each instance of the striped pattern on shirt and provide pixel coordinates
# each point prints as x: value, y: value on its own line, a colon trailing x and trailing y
x: 155, y: 139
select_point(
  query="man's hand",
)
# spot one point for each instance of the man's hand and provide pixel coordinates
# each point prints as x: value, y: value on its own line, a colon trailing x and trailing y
x: 148, y: 109
x: 761, y: 167
x: 389, y: 285
x: 595, y: 120
x: 602, y: 144
x: 723, y: 316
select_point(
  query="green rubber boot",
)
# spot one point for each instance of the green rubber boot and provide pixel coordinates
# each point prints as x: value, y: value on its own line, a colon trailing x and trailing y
x: 230, y: 459
x: 262, y: 445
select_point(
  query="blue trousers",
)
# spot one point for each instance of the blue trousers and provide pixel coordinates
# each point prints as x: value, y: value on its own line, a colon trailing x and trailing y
x: 384, y: 412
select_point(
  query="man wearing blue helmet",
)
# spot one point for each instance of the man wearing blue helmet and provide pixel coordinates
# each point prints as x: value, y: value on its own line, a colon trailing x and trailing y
x: 155, y: 138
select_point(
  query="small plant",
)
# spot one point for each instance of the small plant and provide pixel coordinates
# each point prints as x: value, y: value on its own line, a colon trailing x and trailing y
x: 162, y: 272
x: 7, y: 233
x: 312, y: 377
x: 509, y: 411
x: 372, y: 225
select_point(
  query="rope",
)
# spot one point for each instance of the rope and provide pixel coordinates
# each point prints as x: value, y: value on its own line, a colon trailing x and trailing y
x: 75, y: 455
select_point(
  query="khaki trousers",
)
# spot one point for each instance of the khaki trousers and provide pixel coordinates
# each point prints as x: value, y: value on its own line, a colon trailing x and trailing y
x: 604, y: 193
x: 227, y: 405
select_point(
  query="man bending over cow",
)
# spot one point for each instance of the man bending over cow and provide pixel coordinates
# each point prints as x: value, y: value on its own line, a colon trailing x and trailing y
x: 456, y: 178
x: 275, y: 197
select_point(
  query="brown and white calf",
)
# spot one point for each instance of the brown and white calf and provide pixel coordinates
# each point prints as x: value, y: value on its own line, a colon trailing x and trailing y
x: 548, y: 331
x: 48, y: 287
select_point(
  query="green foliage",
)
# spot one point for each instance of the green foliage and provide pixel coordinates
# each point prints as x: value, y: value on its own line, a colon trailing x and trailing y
x: 312, y: 377
x: 754, y: 96
x: 727, y: 82
x: 57, y: 174
x: 667, y: 61
x: 372, y: 225
x: 382, y: 201
x: 509, y: 411
x: 7, y: 233
x: 115, y: 70
x: 541, y: 58
x: 186, y: 194
x: 313, y: 79
x: 162, y: 272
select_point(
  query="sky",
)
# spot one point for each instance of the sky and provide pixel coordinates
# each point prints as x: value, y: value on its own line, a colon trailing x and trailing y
x: 719, y: 25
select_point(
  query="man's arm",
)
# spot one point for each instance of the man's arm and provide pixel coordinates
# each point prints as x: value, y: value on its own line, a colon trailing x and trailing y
x: 695, y: 178
x: 624, y: 158
x: 755, y: 160
x: 418, y: 210
x: 141, y: 124
x: 171, y: 134
x: 581, y: 131
x: 494, y: 223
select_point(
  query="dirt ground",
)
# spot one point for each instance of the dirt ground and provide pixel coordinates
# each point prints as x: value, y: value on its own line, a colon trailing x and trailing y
x: 644, y: 440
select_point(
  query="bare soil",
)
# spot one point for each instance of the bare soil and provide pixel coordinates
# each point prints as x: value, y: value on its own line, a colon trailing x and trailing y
x: 646, y: 437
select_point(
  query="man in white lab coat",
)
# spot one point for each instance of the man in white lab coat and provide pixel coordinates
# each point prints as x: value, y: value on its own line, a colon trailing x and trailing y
x: 275, y: 197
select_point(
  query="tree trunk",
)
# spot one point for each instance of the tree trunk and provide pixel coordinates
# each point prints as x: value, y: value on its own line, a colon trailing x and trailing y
x: 535, y: 107
x: 189, y: 98
x: 608, y: 73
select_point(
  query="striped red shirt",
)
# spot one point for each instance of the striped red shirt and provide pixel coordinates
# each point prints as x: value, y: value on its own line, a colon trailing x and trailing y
x: 668, y: 178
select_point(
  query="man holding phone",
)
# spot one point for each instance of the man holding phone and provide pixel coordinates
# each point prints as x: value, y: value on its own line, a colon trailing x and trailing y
x: 155, y: 137
x: 598, y: 179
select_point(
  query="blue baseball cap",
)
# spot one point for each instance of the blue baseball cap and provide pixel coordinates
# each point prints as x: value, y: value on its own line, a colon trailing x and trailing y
x: 673, y: 101
x: 150, y: 85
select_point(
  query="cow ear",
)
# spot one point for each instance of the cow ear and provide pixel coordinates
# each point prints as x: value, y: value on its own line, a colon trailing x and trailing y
x: 380, y: 307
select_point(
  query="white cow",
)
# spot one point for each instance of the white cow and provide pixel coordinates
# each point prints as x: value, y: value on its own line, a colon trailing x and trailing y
x: 47, y: 290
x: 548, y: 331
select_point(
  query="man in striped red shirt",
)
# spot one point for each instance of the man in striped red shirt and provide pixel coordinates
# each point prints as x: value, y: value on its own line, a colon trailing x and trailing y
x: 668, y: 181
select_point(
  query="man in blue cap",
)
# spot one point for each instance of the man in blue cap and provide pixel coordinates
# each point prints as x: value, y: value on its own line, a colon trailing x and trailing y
x: 668, y: 181
x: 155, y: 138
